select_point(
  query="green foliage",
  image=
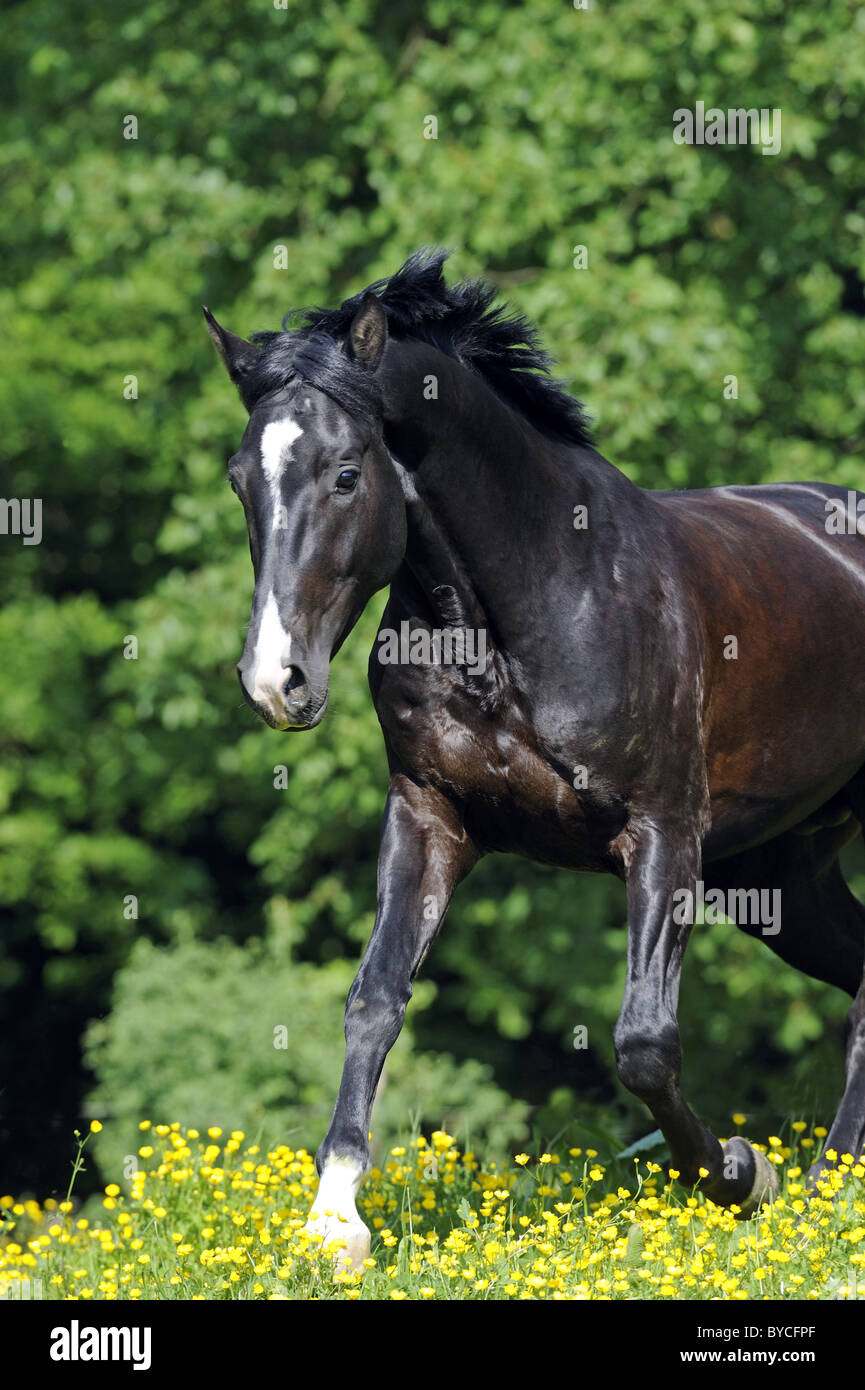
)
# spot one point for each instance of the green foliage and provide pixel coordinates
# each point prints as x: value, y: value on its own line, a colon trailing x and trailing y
x: 303, y: 128
x: 251, y: 1038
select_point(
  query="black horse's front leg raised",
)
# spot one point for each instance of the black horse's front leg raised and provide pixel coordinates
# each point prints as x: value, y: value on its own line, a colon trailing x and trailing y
x: 662, y: 866
x: 424, y: 853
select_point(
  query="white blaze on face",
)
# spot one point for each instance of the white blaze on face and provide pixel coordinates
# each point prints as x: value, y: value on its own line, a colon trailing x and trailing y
x: 272, y: 655
x: 276, y: 441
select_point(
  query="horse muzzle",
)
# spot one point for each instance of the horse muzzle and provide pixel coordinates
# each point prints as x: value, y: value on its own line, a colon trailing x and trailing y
x: 293, y: 705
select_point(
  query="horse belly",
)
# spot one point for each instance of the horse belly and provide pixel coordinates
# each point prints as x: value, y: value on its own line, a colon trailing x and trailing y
x: 782, y: 771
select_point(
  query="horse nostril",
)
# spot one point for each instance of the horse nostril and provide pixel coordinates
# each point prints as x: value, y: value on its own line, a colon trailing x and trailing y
x: 296, y: 686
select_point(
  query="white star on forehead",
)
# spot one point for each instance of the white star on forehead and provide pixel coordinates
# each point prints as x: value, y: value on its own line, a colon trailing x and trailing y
x: 276, y: 441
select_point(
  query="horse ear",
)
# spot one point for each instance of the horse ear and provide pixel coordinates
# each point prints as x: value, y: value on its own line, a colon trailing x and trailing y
x: 367, y: 337
x: 238, y: 356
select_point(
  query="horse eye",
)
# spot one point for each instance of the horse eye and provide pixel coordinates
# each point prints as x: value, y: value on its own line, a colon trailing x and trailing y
x: 346, y: 480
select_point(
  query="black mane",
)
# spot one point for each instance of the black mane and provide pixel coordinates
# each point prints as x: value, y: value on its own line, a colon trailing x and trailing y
x: 317, y: 359
x: 460, y: 320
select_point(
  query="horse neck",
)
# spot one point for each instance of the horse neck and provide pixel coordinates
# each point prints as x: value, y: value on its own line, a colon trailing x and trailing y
x: 490, y: 500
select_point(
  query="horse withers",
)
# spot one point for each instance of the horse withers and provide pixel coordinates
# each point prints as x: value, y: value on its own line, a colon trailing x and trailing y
x: 656, y: 686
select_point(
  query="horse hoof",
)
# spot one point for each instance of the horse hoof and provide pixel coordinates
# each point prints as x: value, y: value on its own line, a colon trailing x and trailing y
x: 350, y: 1240
x: 764, y: 1188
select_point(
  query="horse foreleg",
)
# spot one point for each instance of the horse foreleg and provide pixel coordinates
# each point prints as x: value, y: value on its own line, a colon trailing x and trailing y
x: 424, y: 853
x: 662, y: 862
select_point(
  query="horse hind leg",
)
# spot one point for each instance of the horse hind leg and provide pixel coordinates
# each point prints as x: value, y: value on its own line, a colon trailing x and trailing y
x: 847, y: 1135
x: 822, y: 933
x: 822, y: 925
x: 660, y: 856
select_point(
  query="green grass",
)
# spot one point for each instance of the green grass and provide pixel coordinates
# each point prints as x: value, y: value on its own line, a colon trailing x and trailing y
x: 212, y: 1217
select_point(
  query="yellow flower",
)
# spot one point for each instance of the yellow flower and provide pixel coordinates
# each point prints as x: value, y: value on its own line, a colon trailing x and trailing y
x: 95, y: 1127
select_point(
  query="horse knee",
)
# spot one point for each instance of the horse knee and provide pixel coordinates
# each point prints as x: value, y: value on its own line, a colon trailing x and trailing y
x: 376, y: 1011
x: 648, y: 1064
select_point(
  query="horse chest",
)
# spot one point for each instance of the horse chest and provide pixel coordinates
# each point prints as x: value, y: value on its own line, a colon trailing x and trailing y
x: 514, y: 799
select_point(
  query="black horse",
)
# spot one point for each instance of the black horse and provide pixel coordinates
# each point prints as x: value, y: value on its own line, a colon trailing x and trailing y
x: 657, y: 685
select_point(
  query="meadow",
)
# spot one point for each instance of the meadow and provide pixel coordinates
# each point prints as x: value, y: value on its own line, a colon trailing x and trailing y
x: 209, y: 1216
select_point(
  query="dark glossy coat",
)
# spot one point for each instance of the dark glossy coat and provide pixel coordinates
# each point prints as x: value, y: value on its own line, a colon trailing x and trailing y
x: 674, y: 687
